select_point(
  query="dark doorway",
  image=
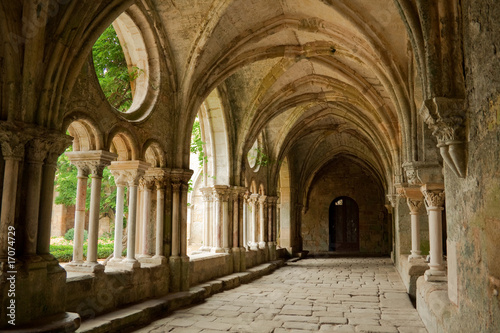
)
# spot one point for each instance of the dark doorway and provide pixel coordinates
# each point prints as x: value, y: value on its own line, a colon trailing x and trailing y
x: 344, y: 225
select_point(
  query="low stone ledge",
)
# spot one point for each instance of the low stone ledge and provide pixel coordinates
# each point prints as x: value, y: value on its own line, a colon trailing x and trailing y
x: 410, y: 271
x: 64, y: 322
x: 433, y: 305
x: 145, y: 312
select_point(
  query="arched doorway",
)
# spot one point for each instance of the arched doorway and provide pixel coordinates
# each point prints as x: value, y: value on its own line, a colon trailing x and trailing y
x: 344, y: 225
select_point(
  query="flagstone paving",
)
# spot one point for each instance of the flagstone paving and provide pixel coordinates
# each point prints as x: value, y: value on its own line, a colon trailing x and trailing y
x: 310, y: 295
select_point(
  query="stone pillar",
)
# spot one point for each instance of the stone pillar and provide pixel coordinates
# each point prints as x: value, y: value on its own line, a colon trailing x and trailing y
x: 434, y: 198
x: 221, y: 231
x: 160, y: 182
x: 271, y: 218
x: 132, y: 172
x: 13, y: 152
x: 246, y: 197
x: 147, y: 184
x: 179, y: 261
x: 36, y: 153
x: 207, y: 193
x: 81, y: 196
x: 88, y: 162
x: 59, y: 145
x: 253, y: 221
x: 120, y: 181
x: 415, y: 204
x: 262, y: 222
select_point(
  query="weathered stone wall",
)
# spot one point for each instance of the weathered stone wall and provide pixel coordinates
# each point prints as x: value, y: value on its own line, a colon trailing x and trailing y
x: 473, y: 203
x: 342, y: 177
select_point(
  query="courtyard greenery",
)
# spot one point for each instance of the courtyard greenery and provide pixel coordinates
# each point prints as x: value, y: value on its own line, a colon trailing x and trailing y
x: 62, y: 249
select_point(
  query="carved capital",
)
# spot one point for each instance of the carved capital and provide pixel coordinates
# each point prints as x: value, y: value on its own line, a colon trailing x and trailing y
x: 221, y: 192
x: 207, y: 194
x: 434, y: 195
x: 414, y: 205
x: 13, y: 145
x: 36, y: 150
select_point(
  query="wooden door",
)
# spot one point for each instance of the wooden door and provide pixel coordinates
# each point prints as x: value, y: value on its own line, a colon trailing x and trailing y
x: 344, y: 225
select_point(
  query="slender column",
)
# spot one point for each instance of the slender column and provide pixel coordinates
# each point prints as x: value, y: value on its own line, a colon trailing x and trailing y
x: 186, y: 176
x: 221, y: 223
x: 132, y: 207
x: 59, y: 144
x: 95, y: 198
x: 415, y: 206
x: 245, y: 220
x: 160, y: 210
x: 434, y: 198
x: 176, y: 185
x: 207, y: 203
x: 253, y: 221
x: 120, y: 181
x: 13, y: 152
x: 81, y: 196
x: 262, y: 222
x: 147, y: 235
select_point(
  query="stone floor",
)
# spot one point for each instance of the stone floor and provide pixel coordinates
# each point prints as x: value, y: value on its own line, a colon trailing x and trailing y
x: 327, y: 295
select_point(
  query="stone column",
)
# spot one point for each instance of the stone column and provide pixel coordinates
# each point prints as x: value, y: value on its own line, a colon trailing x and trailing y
x: 207, y: 214
x: 147, y: 185
x: 271, y: 218
x: 58, y: 145
x: 88, y: 162
x: 434, y: 198
x: 81, y: 196
x: 415, y: 204
x: 262, y: 222
x: 121, y: 182
x: 160, y: 182
x: 246, y: 197
x: 36, y: 153
x: 13, y: 152
x: 176, y: 185
x: 253, y: 221
x: 221, y: 219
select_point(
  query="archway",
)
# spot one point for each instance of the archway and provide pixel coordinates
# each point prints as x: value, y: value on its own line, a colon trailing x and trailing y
x: 344, y: 225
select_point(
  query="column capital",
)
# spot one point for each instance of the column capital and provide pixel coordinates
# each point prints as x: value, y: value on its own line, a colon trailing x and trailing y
x: 221, y: 192
x: 263, y: 200
x: 59, y: 143
x: 414, y: 205
x: 129, y: 171
x: 393, y: 199
x: 434, y: 195
x: 92, y: 161
x: 419, y: 173
x: 207, y: 193
x: 253, y: 198
x: 159, y: 176
x: 272, y: 199
x: 13, y: 144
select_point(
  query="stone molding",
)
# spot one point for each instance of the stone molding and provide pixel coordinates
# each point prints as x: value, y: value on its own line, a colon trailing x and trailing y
x: 446, y: 119
x: 419, y: 173
x: 131, y: 171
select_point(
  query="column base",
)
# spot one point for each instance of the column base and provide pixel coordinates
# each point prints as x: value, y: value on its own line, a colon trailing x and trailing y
x: 262, y: 245
x: 218, y: 250
x: 205, y: 249
x: 435, y: 276
x: 236, y: 259
x: 85, y: 267
x: 415, y: 257
x: 254, y: 246
x: 64, y: 322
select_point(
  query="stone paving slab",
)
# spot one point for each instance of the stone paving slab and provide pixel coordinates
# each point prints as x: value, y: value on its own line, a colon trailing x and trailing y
x: 311, y: 295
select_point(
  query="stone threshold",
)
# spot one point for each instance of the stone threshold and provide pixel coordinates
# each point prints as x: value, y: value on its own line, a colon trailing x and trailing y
x: 138, y: 315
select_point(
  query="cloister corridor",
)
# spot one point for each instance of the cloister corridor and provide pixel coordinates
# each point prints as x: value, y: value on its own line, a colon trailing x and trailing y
x: 309, y: 295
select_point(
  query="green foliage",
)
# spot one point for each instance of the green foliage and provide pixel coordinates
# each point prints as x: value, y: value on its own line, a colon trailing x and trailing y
x: 259, y: 157
x: 66, y: 179
x: 70, y: 235
x: 197, y: 143
x: 64, y: 253
x: 112, y: 70
x: 66, y: 183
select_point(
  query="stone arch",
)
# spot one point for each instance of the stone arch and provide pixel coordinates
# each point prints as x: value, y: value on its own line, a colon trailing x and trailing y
x: 124, y: 144
x: 215, y: 136
x: 253, y: 186
x: 154, y: 154
x: 86, y: 134
x: 262, y: 189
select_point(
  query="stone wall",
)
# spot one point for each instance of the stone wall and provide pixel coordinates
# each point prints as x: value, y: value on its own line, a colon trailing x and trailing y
x: 473, y: 203
x: 343, y: 177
